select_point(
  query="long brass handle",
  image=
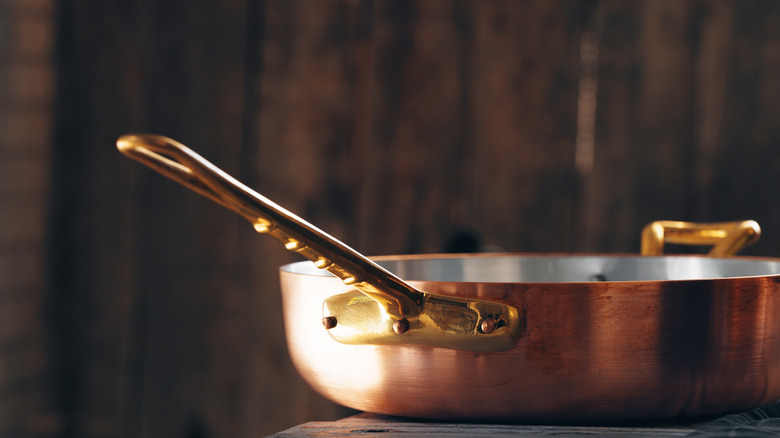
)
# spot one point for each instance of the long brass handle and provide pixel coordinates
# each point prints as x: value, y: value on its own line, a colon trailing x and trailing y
x: 184, y: 166
x: 395, y: 306
x: 726, y: 238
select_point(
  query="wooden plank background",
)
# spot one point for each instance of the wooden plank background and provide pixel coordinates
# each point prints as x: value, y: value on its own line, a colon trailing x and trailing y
x: 28, y: 402
x: 136, y: 308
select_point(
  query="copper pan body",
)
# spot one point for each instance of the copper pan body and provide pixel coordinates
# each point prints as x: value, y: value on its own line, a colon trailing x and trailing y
x: 661, y: 337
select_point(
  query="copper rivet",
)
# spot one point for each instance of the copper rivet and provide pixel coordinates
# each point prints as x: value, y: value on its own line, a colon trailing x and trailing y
x: 488, y: 325
x: 329, y: 322
x: 401, y: 326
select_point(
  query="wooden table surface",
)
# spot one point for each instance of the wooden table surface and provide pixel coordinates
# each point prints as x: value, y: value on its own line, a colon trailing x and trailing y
x: 366, y: 424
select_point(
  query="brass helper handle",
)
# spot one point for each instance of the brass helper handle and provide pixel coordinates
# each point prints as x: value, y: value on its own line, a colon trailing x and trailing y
x: 184, y: 166
x: 727, y: 238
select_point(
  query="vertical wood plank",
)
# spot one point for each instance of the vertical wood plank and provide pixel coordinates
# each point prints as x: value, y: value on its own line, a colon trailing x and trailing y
x: 711, y: 105
x: 643, y: 147
x: 28, y: 406
x: 149, y: 340
x: 743, y: 143
x: 678, y: 84
x: 416, y: 131
x: 194, y: 337
x: 523, y: 105
x: 92, y: 274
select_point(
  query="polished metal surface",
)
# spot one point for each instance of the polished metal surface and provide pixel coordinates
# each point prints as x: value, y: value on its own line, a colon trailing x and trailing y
x: 726, y: 238
x: 395, y: 313
x: 508, y: 268
x: 672, y: 337
x: 360, y: 320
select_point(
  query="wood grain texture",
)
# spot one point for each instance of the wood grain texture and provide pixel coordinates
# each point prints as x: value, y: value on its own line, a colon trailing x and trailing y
x: 642, y: 149
x: 92, y: 276
x: 747, y: 153
x: 678, y: 82
x: 388, y: 427
x: 28, y: 406
x: 523, y: 98
x: 192, y: 349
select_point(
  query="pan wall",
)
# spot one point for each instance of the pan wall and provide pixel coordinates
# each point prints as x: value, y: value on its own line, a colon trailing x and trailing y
x: 398, y: 126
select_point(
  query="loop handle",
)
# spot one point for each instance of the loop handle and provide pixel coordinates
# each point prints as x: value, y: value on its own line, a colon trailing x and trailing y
x: 726, y: 238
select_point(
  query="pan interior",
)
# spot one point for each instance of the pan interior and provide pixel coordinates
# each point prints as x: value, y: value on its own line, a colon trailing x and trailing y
x: 553, y: 269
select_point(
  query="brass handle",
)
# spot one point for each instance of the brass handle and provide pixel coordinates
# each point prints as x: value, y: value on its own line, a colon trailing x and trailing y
x: 397, y: 306
x: 184, y: 166
x: 726, y: 238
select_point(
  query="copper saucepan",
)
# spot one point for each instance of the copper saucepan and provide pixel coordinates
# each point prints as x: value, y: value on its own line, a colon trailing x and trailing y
x: 517, y: 337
